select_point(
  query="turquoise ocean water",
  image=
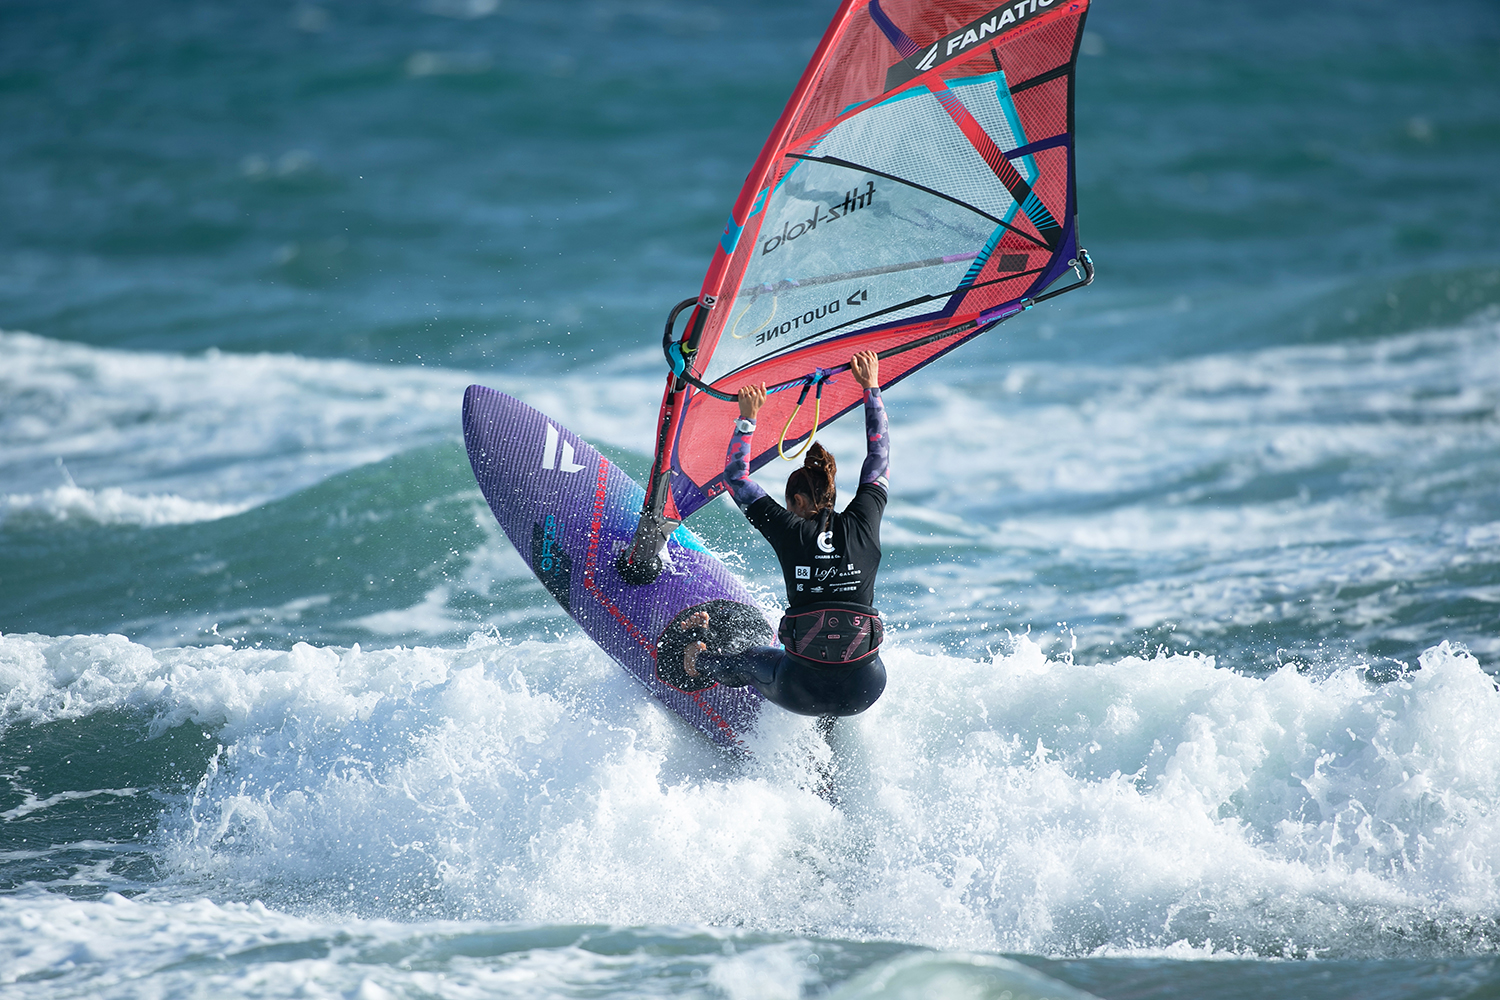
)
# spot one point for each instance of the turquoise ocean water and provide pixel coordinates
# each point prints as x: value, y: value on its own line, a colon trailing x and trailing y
x: 1194, y: 575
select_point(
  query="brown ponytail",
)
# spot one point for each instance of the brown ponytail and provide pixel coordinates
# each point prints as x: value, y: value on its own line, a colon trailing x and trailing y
x: 815, y: 479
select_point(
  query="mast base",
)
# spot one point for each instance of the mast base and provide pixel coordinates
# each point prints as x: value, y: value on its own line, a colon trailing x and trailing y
x: 641, y: 563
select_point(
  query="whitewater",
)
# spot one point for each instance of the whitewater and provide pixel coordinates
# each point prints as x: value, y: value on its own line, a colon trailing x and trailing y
x: 1020, y: 804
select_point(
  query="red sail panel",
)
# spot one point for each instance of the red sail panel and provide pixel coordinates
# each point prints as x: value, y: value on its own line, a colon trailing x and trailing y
x: 917, y: 189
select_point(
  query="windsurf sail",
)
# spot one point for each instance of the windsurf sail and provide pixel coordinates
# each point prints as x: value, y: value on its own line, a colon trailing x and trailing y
x: 917, y: 190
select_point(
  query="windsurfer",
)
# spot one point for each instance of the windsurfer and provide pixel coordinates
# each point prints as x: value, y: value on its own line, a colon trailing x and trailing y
x: 829, y: 662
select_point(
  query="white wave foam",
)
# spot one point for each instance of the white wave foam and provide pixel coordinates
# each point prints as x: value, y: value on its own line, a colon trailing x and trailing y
x: 1017, y: 804
x: 128, y: 948
x: 241, y: 428
x: 31, y: 804
x: 212, y: 427
x: 110, y: 506
x: 1207, y: 424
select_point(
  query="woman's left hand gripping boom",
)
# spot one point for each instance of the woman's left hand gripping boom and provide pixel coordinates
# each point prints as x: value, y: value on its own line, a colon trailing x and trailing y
x: 752, y: 398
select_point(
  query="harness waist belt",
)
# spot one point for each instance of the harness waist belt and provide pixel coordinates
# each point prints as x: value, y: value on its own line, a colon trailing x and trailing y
x: 832, y: 634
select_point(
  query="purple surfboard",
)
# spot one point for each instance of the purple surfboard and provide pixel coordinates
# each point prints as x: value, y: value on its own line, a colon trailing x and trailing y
x: 569, y: 511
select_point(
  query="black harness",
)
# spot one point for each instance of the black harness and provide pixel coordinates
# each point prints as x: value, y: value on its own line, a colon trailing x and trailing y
x: 831, y: 633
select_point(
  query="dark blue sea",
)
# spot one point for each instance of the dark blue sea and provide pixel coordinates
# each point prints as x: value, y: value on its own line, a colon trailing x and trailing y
x: 1193, y: 576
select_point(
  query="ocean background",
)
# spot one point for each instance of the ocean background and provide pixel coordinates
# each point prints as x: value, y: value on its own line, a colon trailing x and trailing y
x: 1194, y: 576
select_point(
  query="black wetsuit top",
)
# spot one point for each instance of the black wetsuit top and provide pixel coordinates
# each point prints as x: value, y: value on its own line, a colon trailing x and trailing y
x: 836, y: 564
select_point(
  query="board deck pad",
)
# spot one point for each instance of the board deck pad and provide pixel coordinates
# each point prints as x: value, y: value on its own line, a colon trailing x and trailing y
x: 569, y: 511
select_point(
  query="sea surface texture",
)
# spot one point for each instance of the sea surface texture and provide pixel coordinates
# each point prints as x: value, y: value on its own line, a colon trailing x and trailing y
x: 1193, y: 577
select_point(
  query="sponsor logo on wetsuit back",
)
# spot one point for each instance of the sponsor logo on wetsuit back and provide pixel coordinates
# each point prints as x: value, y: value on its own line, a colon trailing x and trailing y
x: 834, y: 575
x: 981, y: 29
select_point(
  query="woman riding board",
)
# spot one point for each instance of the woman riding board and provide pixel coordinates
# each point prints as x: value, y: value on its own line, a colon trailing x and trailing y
x: 829, y: 663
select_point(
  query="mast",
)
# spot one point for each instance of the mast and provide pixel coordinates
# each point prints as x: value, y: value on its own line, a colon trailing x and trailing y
x: 641, y: 563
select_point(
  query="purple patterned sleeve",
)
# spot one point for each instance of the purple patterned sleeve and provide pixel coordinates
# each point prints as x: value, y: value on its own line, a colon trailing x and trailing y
x: 737, y: 469
x: 877, y: 465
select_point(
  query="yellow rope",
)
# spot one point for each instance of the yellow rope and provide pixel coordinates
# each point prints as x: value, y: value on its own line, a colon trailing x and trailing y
x: 817, y: 415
